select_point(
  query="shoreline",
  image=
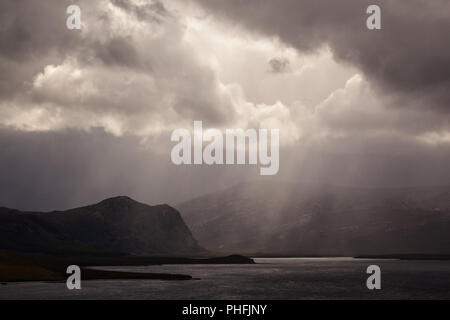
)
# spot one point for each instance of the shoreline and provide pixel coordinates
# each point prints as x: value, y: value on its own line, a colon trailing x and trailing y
x: 19, y: 267
x: 22, y: 267
x: 87, y: 274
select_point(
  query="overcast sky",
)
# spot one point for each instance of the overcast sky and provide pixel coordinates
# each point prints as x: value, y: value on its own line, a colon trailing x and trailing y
x: 87, y: 114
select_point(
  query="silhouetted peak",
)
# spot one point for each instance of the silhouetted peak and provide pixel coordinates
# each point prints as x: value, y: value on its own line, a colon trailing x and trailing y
x: 119, y: 225
x: 119, y: 199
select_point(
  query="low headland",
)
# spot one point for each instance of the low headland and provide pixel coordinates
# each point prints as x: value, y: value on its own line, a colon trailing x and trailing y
x: 23, y: 267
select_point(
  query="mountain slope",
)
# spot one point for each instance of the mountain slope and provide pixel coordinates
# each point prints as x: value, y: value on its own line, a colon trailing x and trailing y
x: 117, y: 225
x: 288, y: 218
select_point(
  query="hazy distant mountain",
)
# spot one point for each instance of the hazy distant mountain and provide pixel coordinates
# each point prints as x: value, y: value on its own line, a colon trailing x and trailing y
x: 118, y: 225
x: 287, y: 218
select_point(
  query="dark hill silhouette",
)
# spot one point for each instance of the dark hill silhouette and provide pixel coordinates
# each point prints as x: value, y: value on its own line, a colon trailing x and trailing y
x: 116, y: 225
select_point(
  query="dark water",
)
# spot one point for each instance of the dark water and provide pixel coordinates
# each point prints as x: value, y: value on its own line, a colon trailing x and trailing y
x: 269, y: 279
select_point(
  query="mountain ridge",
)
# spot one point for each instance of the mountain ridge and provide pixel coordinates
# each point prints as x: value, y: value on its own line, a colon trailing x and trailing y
x: 115, y: 225
x: 298, y: 219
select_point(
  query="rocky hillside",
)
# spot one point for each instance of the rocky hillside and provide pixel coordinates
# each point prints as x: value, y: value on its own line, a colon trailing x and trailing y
x: 117, y: 225
x: 287, y: 218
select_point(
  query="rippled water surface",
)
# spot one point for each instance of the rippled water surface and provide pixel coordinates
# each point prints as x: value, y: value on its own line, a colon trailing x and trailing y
x: 274, y: 278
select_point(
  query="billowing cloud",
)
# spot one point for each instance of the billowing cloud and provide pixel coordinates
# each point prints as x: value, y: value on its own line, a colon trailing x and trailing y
x: 135, y: 77
x: 408, y: 57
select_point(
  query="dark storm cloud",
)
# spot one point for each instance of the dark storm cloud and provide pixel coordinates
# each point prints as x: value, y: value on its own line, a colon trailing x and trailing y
x: 152, y: 10
x: 279, y: 65
x: 31, y: 36
x: 119, y: 51
x: 409, y: 57
x: 33, y: 28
